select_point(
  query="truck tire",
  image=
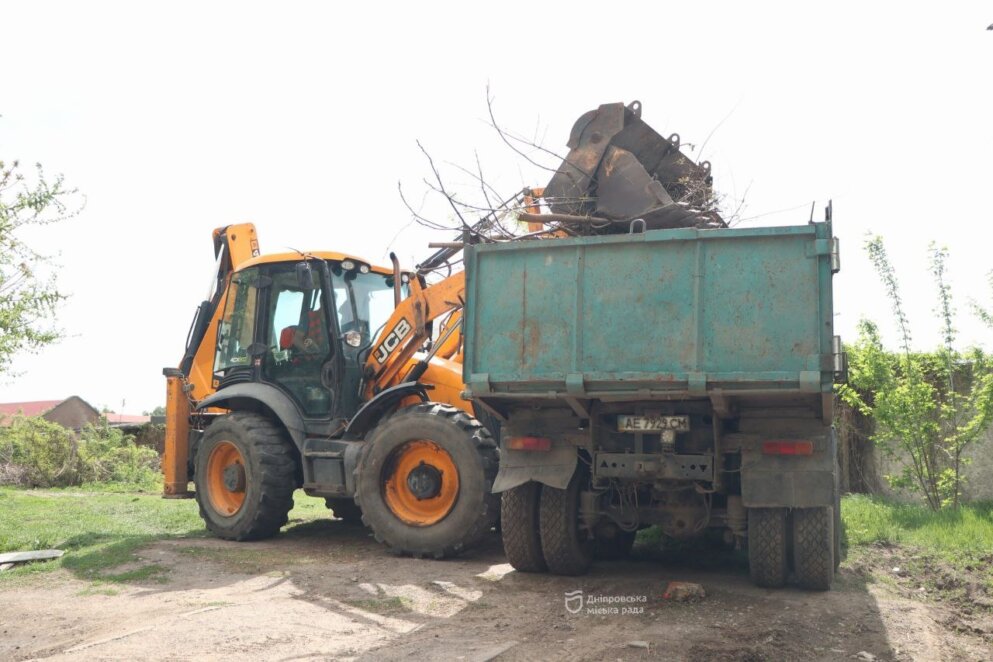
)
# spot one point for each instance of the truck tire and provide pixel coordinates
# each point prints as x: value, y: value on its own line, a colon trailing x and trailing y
x: 610, y: 543
x: 245, y: 476
x: 837, y: 530
x: 566, y: 547
x: 423, y: 481
x: 345, y: 510
x: 813, y: 547
x: 767, y: 563
x: 519, y: 507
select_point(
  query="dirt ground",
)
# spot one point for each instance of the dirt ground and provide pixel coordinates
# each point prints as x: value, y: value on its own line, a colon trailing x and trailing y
x: 325, y: 590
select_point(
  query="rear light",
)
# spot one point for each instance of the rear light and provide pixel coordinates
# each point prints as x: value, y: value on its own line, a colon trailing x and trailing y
x: 788, y: 448
x: 529, y: 444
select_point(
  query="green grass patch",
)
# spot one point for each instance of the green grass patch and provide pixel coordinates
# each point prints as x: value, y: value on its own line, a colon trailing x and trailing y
x: 949, y: 553
x: 101, y: 531
x: 953, y: 535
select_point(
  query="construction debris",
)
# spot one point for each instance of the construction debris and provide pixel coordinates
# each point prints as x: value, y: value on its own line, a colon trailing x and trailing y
x: 684, y: 592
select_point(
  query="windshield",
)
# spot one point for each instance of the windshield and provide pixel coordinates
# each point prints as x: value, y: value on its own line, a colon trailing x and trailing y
x: 364, y: 301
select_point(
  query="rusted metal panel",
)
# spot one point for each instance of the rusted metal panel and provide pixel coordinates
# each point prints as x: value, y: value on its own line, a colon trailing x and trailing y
x: 668, y: 311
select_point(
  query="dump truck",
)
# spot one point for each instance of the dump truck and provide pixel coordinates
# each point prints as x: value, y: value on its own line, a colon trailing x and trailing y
x: 660, y: 369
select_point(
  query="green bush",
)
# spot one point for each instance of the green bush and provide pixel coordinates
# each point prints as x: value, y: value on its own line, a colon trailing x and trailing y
x: 37, y: 453
x: 109, y: 455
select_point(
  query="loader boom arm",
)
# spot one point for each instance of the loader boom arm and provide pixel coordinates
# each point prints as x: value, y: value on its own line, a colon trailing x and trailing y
x: 407, y: 330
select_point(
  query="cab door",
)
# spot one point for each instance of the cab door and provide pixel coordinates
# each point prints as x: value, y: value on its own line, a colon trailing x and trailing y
x: 301, y: 355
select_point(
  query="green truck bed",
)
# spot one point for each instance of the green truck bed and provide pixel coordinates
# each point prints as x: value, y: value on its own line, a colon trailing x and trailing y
x: 665, y: 313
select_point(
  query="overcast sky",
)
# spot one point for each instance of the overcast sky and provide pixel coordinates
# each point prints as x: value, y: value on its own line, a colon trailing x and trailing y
x: 302, y: 117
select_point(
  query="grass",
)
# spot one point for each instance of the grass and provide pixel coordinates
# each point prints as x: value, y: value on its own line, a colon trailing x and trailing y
x: 947, y: 554
x: 101, y: 529
x: 957, y: 536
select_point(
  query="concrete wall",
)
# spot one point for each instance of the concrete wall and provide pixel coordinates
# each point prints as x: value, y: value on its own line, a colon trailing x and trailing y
x: 978, y: 475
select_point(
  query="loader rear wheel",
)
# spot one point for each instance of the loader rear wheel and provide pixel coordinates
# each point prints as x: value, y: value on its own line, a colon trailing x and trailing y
x: 519, y: 507
x: 345, y: 510
x: 424, y: 479
x: 767, y: 562
x: 567, y: 547
x: 244, y: 477
x: 813, y: 547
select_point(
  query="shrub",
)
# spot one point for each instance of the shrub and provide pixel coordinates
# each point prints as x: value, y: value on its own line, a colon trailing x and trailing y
x: 109, y: 455
x: 37, y: 453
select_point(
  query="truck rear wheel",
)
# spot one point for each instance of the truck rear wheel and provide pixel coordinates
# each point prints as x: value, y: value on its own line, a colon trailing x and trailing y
x: 567, y: 548
x: 424, y: 479
x: 813, y: 547
x: 244, y: 477
x: 767, y: 562
x: 519, y: 508
x: 345, y: 510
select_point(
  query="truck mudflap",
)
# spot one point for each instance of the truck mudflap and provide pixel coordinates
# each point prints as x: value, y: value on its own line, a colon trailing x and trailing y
x: 775, y: 481
x: 553, y: 467
x: 793, y: 489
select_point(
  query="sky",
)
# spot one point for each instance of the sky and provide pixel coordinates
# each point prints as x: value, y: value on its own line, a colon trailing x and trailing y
x: 176, y: 118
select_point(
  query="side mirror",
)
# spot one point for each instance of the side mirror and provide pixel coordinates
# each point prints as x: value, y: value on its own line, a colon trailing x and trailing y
x: 305, y: 276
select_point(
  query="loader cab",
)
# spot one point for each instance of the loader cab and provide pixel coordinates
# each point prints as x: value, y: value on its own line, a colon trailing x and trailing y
x: 304, y: 327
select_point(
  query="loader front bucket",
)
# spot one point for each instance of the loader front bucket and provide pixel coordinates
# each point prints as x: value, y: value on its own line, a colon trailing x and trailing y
x: 619, y: 169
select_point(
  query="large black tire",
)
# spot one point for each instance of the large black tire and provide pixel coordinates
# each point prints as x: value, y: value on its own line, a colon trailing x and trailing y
x: 611, y: 543
x: 267, y: 477
x: 345, y: 510
x: 519, y: 507
x: 475, y: 456
x: 837, y: 530
x: 837, y: 511
x: 567, y: 548
x: 767, y: 562
x: 813, y: 547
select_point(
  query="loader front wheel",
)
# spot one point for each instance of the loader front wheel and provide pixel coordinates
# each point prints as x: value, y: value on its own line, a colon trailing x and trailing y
x: 519, y: 508
x: 567, y: 546
x: 424, y: 478
x: 244, y: 477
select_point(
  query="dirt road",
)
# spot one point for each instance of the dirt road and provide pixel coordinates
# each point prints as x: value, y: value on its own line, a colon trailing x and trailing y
x: 325, y: 590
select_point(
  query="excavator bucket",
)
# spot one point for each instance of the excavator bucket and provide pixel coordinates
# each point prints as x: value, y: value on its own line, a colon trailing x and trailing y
x: 619, y: 169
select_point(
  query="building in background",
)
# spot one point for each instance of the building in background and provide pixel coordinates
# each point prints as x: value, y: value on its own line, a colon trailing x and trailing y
x: 73, y: 413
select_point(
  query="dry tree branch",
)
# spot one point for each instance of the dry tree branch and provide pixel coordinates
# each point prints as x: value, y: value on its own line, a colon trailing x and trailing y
x: 441, y: 184
x: 506, y: 139
x: 420, y: 219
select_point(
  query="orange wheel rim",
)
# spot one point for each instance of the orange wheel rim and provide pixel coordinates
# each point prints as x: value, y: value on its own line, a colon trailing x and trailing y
x: 421, y: 483
x: 226, y: 478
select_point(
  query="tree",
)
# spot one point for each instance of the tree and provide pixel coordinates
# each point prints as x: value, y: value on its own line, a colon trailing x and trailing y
x: 28, y: 298
x: 928, y: 408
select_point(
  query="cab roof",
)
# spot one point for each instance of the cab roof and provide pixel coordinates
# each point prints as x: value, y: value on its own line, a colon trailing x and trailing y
x: 331, y: 256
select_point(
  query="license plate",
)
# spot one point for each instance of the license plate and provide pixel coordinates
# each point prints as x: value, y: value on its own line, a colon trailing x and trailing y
x: 653, y: 423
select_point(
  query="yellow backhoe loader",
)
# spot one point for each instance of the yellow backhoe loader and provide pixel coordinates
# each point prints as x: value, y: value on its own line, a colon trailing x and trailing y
x: 320, y: 371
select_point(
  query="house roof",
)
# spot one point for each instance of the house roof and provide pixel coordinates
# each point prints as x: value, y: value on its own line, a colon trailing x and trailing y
x: 36, y: 408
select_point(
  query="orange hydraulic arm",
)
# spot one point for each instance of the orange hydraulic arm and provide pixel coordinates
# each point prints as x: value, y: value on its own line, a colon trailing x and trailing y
x: 233, y: 244
x: 407, y: 330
